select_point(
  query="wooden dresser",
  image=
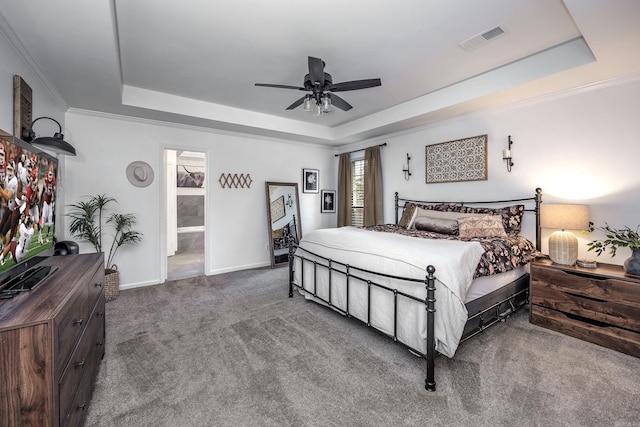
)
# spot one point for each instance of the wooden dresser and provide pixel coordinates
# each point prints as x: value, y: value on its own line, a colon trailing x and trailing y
x: 600, y: 305
x: 51, y: 345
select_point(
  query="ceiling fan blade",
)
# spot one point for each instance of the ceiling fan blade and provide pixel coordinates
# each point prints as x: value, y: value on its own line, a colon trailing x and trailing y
x: 296, y: 104
x: 355, y: 85
x: 280, y: 86
x: 336, y: 101
x: 316, y: 71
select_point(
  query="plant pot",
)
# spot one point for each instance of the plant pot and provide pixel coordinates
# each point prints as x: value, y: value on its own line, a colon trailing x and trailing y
x: 111, y: 283
x: 632, y: 264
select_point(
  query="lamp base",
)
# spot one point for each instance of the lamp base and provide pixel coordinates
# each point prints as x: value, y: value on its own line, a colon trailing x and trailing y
x: 563, y: 248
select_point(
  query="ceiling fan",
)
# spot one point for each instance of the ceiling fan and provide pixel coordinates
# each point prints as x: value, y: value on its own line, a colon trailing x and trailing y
x: 321, y: 86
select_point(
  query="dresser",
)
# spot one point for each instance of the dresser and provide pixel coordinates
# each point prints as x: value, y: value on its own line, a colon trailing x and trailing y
x: 600, y: 305
x: 51, y: 345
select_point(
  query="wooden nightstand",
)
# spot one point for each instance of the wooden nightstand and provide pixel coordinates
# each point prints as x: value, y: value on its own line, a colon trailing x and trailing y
x: 600, y: 305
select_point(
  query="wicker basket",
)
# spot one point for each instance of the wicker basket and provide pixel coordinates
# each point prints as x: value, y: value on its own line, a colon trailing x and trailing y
x: 112, y: 283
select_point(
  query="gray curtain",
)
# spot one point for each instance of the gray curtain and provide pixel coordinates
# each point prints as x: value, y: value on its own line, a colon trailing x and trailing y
x: 344, y: 190
x: 373, y: 213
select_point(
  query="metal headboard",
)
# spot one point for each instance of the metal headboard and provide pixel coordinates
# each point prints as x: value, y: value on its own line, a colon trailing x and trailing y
x: 537, y: 198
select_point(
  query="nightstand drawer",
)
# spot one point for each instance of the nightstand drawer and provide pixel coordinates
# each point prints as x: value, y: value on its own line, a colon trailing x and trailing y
x: 576, y: 302
x: 588, y: 285
x: 586, y: 329
x: 599, y: 305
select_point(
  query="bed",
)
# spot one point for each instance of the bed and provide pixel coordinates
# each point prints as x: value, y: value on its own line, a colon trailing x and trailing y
x: 442, y: 273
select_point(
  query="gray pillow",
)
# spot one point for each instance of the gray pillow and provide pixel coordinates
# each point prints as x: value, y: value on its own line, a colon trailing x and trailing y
x: 437, y: 225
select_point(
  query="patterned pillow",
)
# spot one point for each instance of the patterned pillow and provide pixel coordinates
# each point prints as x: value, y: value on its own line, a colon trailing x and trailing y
x: 481, y: 226
x: 408, y: 214
x: 442, y: 207
x: 511, y: 217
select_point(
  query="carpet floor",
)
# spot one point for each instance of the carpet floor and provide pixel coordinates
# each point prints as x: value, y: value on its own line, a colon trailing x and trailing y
x: 234, y: 350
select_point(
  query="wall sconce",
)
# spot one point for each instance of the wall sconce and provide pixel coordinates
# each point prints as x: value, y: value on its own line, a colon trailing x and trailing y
x: 506, y: 155
x: 289, y: 202
x: 406, y: 168
x: 54, y: 143
x: 563, y: 245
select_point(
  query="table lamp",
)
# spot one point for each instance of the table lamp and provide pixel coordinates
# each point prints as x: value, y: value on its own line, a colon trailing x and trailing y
x: 563, y: 245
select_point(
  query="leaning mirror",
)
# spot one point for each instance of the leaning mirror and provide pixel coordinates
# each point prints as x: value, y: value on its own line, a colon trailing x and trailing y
x: 283, y: 216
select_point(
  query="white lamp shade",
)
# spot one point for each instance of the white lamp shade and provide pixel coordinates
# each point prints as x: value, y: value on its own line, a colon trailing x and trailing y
x: 564, y: 217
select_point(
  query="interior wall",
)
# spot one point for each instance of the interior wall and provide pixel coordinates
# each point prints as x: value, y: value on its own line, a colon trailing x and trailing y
x: 580, y: 147
x: 237, y: 217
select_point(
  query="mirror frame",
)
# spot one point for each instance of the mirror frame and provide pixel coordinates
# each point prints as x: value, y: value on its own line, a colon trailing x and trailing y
x: 268, y: 185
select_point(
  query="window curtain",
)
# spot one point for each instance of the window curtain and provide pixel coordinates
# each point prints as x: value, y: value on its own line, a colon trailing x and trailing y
x: 373, y: 214
x: 344, y: 190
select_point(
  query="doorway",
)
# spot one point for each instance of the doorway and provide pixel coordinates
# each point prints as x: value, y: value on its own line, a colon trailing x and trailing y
x: 186, y: 203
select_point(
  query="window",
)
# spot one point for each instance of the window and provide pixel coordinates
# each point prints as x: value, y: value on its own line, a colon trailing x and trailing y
x: 357, y: 192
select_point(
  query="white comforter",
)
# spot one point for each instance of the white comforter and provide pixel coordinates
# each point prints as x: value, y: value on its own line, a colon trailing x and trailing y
x: 404, y: 256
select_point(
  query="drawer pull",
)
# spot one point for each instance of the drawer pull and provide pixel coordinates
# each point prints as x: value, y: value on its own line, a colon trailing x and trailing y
x: 99, y: 344
x: 79, y: 322
x: 98, y: 284
x: 82, y: 406
x: 80, y: 364
x: 100, y: 313
x: 587, y: 320
x: 585, y: 297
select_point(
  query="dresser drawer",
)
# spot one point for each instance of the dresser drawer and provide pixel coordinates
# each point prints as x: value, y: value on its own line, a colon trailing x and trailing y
x: 70, y: 328
x: 95, y: 286
x: 76, y: 404
x: 84, y: 359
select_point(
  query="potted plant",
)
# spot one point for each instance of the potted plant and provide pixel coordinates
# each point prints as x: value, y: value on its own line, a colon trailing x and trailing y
x: 619, y: 238
x: 88, y: 222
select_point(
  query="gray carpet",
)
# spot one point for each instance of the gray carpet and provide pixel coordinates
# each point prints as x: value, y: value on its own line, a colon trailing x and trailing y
x: 234, y: 350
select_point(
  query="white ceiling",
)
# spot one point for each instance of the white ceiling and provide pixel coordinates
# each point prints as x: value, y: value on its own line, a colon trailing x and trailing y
x: 196, y: 61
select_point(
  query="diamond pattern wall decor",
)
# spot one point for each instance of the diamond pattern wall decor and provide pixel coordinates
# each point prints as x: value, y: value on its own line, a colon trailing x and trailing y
x: 228, y: 180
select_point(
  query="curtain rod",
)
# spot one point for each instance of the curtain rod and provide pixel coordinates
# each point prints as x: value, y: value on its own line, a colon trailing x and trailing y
x: 361, y: 149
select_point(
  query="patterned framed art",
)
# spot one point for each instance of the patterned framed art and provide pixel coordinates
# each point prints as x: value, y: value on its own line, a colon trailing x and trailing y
x: 277, y: 209
x: 459, y: 160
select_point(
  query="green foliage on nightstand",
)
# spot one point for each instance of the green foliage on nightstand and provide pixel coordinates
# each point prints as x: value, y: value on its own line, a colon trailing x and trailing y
x: 615, y: 238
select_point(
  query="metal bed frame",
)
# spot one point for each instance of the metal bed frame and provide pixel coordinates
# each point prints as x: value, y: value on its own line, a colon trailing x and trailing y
x: 482, y: 313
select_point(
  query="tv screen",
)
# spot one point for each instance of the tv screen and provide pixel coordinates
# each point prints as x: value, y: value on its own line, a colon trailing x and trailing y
x: 28, y: 179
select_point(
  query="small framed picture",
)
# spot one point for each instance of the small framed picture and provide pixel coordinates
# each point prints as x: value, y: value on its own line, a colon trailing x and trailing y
x: 328, y: 201
x: 310, y: 180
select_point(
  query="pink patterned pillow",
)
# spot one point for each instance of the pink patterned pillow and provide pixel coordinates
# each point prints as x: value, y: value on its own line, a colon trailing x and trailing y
x: 481, y: 226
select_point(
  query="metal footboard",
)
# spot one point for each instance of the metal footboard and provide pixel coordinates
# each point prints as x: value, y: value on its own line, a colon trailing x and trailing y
x: 355, y: 273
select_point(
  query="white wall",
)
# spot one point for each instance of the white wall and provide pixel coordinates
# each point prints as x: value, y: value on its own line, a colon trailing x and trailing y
x: 237, y: 217
x: 581, y: 147
x: 45, y: 101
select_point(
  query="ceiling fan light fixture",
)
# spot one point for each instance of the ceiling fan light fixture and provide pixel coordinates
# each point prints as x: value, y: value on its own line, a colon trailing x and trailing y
x: 326, y: 103
x: 307, y: 103
x: 318, y: 109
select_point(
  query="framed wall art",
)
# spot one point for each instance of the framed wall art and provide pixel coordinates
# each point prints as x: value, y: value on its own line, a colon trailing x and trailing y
x: 459, y: 160
x: 277, y: 209
x: 328, y: 200
x: 310, y: 180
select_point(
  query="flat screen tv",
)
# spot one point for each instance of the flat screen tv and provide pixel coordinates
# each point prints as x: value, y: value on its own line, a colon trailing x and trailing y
x: 28, y: 178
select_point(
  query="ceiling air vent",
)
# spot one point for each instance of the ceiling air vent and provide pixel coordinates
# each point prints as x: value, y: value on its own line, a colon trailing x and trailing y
x: 482, y: 38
